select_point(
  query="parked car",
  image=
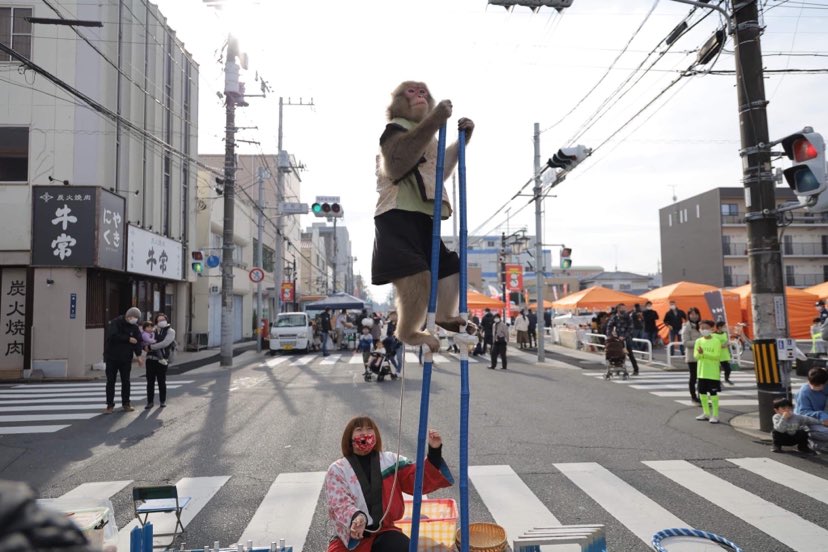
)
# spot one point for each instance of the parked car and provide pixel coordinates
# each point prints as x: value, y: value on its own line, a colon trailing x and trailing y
x: 291, y: 331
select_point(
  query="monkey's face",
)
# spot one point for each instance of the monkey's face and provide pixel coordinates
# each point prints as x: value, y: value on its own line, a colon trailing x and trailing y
x: 411, y: 100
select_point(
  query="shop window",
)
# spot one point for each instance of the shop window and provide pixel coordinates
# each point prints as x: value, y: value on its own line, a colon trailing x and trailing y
x: 14, y: 154
x: 16, y: 32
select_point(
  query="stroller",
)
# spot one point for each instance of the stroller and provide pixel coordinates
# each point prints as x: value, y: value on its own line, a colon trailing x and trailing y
x: 380, y: 363
x: 616, y: 355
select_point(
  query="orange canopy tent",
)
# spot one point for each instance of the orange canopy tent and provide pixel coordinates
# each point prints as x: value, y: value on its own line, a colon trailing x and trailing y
x: 689, y: 294
x: 801, y: 310
x: 478, y: 301
x: 820, y: 290
x: 546, y: 305
x: 594, y: 298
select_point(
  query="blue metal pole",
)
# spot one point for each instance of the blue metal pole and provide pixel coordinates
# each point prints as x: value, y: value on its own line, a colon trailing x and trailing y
x: 464, y: 351
x: 431, y: 325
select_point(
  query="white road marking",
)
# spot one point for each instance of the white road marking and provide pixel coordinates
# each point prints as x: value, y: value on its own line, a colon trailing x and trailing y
x: 724, y: 402
x: 784, y: 526
x: 46, y: 407
x: 286, y: 511
x: 333, y: 359
x: 798, y: 480
x: 101, y: 489
x: 272, y: 362
x: 45, y: 417
x: 305, y: 359
x: 20, y: 430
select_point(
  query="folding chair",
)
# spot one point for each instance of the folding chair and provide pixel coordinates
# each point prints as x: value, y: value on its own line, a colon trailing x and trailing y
x: 160, y: 499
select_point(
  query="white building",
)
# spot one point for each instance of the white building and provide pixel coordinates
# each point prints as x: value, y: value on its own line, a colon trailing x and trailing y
x: 94, y: 197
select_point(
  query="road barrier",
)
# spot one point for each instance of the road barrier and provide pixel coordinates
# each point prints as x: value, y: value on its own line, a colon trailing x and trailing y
x: 670, y: 355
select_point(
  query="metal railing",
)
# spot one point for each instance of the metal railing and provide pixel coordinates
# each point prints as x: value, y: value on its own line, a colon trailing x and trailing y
x: 598, y: 341
x: 804, y: 280
x: 738, y: 218
x: 814, y: 249
x: 738, y: 249
x: 670, y: 356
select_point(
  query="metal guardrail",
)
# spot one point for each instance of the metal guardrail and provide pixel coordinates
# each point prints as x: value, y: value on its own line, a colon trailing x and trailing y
x: 598, y: 341
x: 670, y: 356
x: 647, y: 353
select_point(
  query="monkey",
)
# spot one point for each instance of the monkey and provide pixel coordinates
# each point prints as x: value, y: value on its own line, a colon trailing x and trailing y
x: 406, y: 171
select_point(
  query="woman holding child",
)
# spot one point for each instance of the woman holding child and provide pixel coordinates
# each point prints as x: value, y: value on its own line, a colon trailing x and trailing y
x: 159, y: 355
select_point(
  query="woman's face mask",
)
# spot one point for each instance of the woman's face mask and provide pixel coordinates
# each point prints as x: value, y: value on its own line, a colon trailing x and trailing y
x: 363, y: 442
x: 162, y: 323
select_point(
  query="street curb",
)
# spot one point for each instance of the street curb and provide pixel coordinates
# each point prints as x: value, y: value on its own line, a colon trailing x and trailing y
x: 748, y: 423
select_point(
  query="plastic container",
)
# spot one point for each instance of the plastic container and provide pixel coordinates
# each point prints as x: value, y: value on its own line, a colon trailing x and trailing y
x: 438, y: 524
x: 95, y: 517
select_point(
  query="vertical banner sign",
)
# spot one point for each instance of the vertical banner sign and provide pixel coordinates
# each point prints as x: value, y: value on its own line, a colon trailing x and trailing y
x: 779, y: 311
x: 715, y: 302
x: 63, y: 226
x: 514, y: 277
x: 287, y: 292
x: 73, y: 306
x: 111, y: 231
x: 12, y: 317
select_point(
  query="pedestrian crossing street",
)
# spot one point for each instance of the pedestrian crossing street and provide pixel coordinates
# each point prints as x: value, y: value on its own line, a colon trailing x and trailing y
x: 673, y: 385
x: 47, y: 408
x: 287, y: 509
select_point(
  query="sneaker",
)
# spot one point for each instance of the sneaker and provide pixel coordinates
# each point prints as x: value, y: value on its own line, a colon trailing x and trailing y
x: 776, y: 448
x: 714, y: 420
x: 128, y: 408
x: 635, y: 372
x: 806, y: 450
x: 491, y: 367
x: 727, y: 381
x: 109, y: 410
x: 702, y: 417
x: 163, y: 362
x: 163, y: 405
x: 149, y: 405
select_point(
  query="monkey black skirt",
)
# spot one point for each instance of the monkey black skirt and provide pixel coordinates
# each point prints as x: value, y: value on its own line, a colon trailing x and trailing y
x: 402, y: 247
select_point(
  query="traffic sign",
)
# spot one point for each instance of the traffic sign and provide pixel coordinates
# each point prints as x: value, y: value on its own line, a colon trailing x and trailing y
x: 327, y: 199
x: 213, y: 261
x: 286, y: 208
x: 256, y: 275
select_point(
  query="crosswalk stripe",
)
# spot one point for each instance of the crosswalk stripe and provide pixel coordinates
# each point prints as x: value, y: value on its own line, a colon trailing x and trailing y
x: 44, y: 407
x: 24, y: 393
x: 729, y: 391
x: 333, y: 359
x: 798, y: 480
x: 769, y: 518
x: 45, y: 417
x: 725, y: 402
x: 412, y: 357
x: 286, y: 511
x: 440, y: 359
x: 271, y: 362
x: 510, y: 501
x: 97, y: 490
x: 634, y: 510
x: 356, y: 359
x: 199, y: 489
x: 303, y: 360
x: 55, y: 400
x: 75, y: 385
x: 18, y: 430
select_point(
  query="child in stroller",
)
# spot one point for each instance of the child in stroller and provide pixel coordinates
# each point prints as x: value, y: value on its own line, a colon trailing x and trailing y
x: 380, y: 362
x: 615, y: 352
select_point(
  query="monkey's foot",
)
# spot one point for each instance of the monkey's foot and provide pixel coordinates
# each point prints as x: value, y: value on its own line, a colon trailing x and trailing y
x: 454, y: 325
x: 423, y: 338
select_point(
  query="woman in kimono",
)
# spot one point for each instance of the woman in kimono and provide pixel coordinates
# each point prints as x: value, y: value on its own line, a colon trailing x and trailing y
x: 358, y: 489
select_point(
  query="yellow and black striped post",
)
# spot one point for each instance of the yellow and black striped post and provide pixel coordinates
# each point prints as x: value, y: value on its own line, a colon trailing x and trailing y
x: 770, y: 384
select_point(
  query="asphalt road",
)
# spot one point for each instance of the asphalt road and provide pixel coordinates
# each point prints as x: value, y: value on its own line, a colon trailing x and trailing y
x: 575, y: 442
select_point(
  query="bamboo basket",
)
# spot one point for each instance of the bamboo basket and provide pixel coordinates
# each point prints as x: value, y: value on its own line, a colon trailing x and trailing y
x: 485, y: 537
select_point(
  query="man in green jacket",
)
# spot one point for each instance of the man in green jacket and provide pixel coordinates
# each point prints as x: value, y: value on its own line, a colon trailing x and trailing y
x: 709, y: 356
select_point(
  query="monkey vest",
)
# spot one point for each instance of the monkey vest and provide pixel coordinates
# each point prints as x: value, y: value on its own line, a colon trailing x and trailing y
x: 415, y: 190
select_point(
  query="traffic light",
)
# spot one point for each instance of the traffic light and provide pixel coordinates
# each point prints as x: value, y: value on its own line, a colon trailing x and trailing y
x: 568, y: 158
x: 197, y: 261
x: 566, y: 261
x: 806, y: 176
x: 327, y: 209
x: 534, y: 5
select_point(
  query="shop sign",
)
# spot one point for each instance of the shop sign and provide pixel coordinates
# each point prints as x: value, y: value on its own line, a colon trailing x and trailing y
x: 153, y: 255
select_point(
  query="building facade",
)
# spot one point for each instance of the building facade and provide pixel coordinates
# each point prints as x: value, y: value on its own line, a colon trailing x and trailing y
x: 704, y: 240
x: 337, y: 243
x: 96, y: 189
x: 628, y: 282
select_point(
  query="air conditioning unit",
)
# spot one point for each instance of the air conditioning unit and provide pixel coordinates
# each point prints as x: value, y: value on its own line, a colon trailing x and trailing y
x: 215, y: 290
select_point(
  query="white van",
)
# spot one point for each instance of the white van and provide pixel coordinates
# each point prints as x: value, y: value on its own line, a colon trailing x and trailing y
x: 291, y: 331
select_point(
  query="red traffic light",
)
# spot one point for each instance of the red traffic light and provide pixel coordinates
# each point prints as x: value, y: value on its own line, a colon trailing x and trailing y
x: 566, y: 252
x: 803, y: 150
x: 197, y: 255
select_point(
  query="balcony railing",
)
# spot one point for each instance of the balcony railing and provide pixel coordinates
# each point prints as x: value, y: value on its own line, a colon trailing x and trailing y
x: 804, y: 280
x: 738, y: 218
x: 735, y: 248
x: 810, y: 218
x: 804, y: 249
x: 735, y: 280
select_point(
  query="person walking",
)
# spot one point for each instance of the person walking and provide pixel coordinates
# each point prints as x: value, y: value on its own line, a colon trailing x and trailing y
x: 533, y: 328
x: 487, y: 323
x: 637, y: 318
x: 159, y: 358
x: 650, y: 317
x: 123, y: 342
x: 620, y: 325
x: 500, y: 332
x: 675, y: 319
x: 689, y: 334
x: 324, y: 329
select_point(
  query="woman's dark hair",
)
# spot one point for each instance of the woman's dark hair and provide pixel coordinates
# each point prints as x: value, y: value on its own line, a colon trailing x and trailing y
x: 355, y: 422
x: 694, y: 310
x: 159, y: 315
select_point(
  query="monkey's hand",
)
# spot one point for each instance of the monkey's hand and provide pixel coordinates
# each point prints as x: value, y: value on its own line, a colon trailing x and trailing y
x: 467, y: 125
x: 442, y: 111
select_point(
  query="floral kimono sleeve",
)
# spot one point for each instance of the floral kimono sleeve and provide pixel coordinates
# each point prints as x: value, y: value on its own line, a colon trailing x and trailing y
x: 434, y: 478
x: 341, y: 505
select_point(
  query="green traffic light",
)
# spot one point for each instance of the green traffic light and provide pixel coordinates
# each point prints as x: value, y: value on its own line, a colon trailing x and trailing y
x: 316, y: 208
x: 198, y: 267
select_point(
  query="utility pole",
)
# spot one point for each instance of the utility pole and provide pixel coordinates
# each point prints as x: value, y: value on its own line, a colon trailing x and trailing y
x: 540, y: 328
x: 767, y: 286
x: 334, y: 254
x: 231, y: 89
x: 259, y: 231
x: 280, y: 196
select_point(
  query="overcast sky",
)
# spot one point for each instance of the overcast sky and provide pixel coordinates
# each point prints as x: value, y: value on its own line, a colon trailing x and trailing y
x: 506, y: 71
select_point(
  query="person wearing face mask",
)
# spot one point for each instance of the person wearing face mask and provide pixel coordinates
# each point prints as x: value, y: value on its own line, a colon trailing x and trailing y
x: 363, y: 490
x: 675, y: 319
x: 708, y: 351
x: 122, y: 343
x: 689, y: 334
x: 621, y: 325
x: 500, y: 334
x: 159, y: 357
x: 650, y: 317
